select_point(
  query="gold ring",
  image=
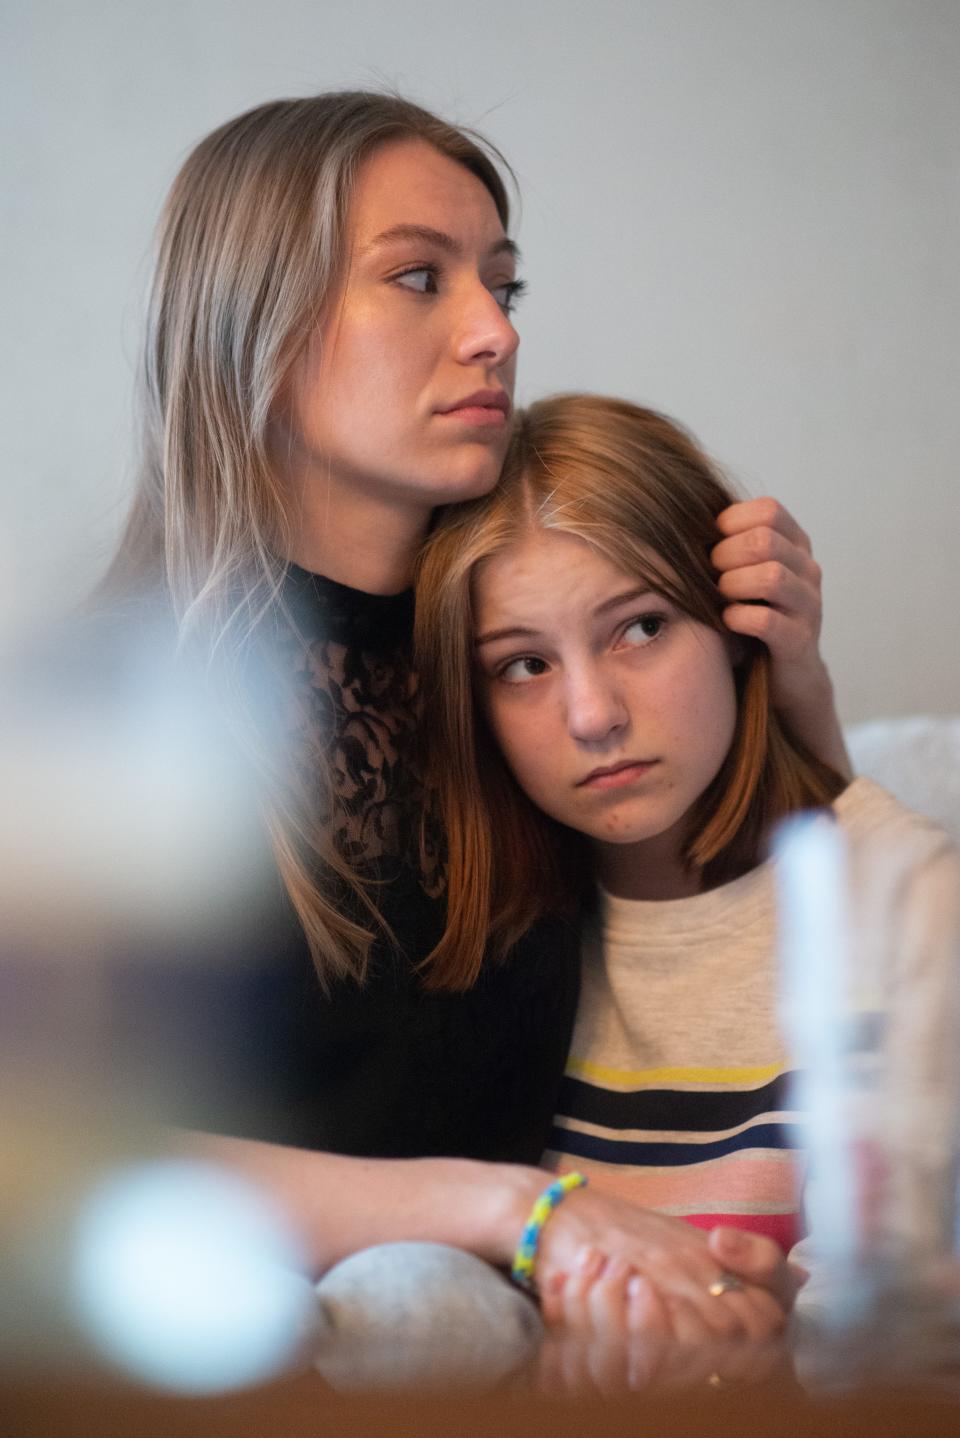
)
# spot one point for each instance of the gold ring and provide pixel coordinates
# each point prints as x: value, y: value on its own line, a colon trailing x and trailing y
x: 726, y: 1283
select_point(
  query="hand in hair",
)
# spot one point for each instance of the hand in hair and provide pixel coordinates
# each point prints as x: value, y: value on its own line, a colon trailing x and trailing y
x: 608, y: 1267
x: 769, y: 575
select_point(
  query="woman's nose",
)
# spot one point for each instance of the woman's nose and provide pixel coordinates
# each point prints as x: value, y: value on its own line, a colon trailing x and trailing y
x: 485, y: 333
x: 595, y: 710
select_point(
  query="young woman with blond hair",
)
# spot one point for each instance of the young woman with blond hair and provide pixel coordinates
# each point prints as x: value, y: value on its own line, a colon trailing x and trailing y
x: 599, y: 738
x: 329, y: 357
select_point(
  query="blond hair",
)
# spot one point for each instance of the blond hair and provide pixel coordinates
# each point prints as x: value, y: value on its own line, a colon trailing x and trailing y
x: 638, y: 489
x: 251, y: 240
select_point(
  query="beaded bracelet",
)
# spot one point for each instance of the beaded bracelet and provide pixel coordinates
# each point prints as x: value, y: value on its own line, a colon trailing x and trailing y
x: 526, y: 1254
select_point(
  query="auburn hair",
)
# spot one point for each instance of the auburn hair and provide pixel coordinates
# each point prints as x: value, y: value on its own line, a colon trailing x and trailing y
x: 637, y: 488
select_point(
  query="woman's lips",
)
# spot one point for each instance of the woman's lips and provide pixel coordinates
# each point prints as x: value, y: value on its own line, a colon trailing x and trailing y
x: 617, y: 776
x: 484, y: 409
x: 478, y: 414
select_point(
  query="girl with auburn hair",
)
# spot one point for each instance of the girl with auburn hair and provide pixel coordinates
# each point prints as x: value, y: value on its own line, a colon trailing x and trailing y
x: 329, y: 357
x: 591, y: 718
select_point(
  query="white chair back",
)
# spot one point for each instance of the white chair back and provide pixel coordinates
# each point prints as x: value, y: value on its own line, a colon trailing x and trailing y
x: 917, y: 758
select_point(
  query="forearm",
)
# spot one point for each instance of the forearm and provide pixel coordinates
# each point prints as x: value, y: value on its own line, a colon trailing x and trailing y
x: 809, y: 710
x: 337, y: 1204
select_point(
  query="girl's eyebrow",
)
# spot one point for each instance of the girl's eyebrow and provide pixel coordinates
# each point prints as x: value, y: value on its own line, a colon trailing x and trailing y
x: 515, y: 632
x: 643, y: 591
x: 519, y: 631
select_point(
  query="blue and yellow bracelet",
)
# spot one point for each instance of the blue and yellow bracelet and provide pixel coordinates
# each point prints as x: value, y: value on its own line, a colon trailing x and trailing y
x: 526, y: 1254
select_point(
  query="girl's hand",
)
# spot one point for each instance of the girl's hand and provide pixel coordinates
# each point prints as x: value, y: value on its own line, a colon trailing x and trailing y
x: 609, y: 1268
x: 769, y: 575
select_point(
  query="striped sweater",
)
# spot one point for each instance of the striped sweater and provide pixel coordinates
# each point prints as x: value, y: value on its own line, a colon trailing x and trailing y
x: 677, y: 1089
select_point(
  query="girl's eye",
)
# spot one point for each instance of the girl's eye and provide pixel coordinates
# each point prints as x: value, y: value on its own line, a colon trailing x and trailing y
x: 507, y: 294
x: 422, y: 280
x: 521, y: 671
x: 644, y: 629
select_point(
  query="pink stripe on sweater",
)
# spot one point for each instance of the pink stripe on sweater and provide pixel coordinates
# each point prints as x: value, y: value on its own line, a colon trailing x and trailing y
x: 785, y: 1229
x: 767, y: 1184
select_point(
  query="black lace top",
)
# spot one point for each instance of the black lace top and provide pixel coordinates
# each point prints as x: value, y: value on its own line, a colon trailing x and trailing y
x: 385, y: 1068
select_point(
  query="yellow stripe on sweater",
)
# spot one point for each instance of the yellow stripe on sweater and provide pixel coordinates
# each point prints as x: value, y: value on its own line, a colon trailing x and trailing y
x: 671, y: 1077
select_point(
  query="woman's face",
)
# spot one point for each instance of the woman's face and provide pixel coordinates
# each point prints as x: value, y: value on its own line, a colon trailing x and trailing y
x: 405, y: 390
x: 613, y: 708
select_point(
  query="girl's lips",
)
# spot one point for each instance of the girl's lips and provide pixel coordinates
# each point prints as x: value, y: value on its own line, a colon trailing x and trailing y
x: 619, y: 777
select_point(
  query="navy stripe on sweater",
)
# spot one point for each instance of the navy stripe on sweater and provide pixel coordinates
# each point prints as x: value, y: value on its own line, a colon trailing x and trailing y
x: 671, y: 1109
x: 668, y: 1155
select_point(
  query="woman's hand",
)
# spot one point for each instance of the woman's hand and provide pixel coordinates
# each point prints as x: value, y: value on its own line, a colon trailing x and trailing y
x: 772, y: 581
x: 606, y: 1267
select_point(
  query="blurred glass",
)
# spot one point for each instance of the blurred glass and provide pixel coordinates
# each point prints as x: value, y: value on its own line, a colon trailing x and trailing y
x: 871, y: 1011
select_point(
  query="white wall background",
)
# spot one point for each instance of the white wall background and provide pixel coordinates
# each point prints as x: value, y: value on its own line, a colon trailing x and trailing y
x: 745, y: 212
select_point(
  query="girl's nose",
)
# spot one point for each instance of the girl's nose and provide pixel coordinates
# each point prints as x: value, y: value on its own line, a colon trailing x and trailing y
x: 486, y: 333
x: 595, y: 710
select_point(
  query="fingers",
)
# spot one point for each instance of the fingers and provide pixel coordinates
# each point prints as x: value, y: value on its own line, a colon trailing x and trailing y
x: 688, y: 1312
x: 588, y: 1300
x: 787, y: 638
x: 690, y: 1327
x: 647, y: 1311
x: 672, y: 1256
x: 757, y: 1261
x: 551, y: 1299
x: 757, y: 1313
x: 750, y: 548
x: 607, y: 1300
x: 764, y: 546
x: 762, y: 514
x: 772, y: 583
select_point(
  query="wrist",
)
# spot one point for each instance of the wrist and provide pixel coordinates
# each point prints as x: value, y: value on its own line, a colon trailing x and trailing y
x: 808, y: 709
x: 802, y: 686
x: 510, y: 1193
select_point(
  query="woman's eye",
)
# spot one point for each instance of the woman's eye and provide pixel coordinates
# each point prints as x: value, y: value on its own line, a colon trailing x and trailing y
x: 422, y: 281
x: 520, y: 671
x: 507, y: 294
x: 642, y: 630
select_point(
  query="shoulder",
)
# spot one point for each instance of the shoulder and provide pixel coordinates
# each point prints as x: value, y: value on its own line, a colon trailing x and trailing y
x: 873, y: 818
x: 905, y: 878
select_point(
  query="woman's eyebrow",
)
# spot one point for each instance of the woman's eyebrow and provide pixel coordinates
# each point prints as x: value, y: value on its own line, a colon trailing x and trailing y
x: 425, y: 234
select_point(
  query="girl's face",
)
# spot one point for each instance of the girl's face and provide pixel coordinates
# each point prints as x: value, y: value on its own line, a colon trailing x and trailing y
x: 613, y: 708
x: 405, y: 390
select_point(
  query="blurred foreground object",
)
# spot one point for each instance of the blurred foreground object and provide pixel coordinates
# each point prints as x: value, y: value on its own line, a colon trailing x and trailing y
x: 871, y: 1010
x: 125, y: 814
x: 184, y: 1277
x: 131, y: 858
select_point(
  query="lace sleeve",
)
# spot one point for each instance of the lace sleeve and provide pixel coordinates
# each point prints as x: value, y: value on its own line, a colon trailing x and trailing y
x: 355, y: 711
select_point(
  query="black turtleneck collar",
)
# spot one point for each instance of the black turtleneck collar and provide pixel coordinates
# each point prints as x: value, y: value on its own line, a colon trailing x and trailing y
x: 329, y: 610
